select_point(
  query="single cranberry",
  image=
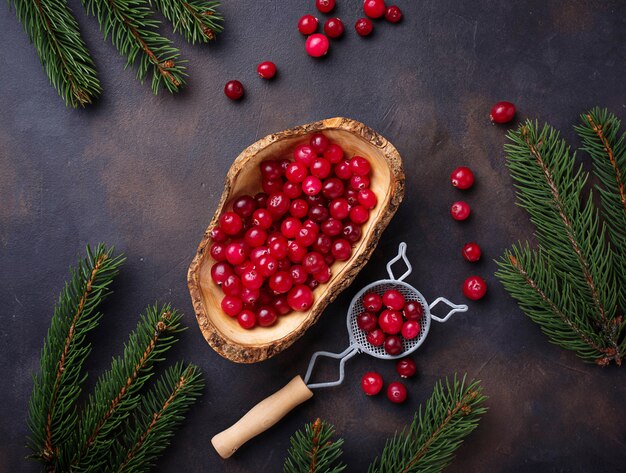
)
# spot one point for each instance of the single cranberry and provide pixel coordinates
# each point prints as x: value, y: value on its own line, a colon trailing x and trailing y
x: 321, y: 168
x: 280, y: 282
x: 333, y: 27
x: 271, y: 170
x: 396, y: 392
x: 322, y: 244
x: 360, y: 166
x: 376, y: 337
x: 235, y: 253
x: 300, y: 298
x: 312, y: 185
x: 359, y: 182
x: 343, y: 170
x: 352, y: 232
x: 352, y: 196
x: 290, y: 227
x: 462, y: 178
x: 244, y: 206
x: 280, y: 304
x: 341, y: 249
x: 292, y: 190
x: 471, y: 252
x: 367, y: 198
x: 325, y: 6
x: 296, y: 252
x: 374, y: 8
x: 411, y: 329
x: 372, y: 302
x: 319, y: 142
x: 371, y: 383
x: 393, y: 345
x: 323, y: 275
x: 367, y: 321
x: 304, y: 154
x: 413, y: 310
x: 364, y: 26
x: 390, y: 321
x: 249, y: 296
x: 231, y: 305
x: 502, y: 112
x: 278, y: 248
x: 460, y: 210
x: 252, y: 279
x: 393, y: 299
x: 299, y: 208
x: 316, y: 45
x: 329, y: 259
x: 317, y: 199
x: 233, y: 89
x: 267, y: 70
x: 266, y: 316
x: 339, y: 209
x: 307, y: 24
x: 257, y: 253
x: 393, y: 14
x: 243, y: 267
x: 306, y: 237
x: 246, y: 319
x: 231, y: 223
x: 278, y: 204
x: 255, y: 237
x: 474, y: 288
x: 332, y: 227
x: 296, y: 172
x: 318, y: 213
x: 262, y: 218
x: 334, y: 153
x: 332, y: 188
x: 359, y: 214
x: 312, y: 283
x: 261, y: 200
x: 272, y: 186
x: 406, y: 367
x: 218, y: 251
x: 218, y: 235
x: 232, y: 286
x: 267, y: 265
x: 313, y: 262
x: 298, y: 274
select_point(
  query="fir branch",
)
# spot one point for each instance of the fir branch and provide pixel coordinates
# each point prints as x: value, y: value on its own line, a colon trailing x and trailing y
x: 52, y: 406
x: 313, y: 450
x: 133, y: 31
x: 116, y: 392
x: 430, y: 441
x: 197, y: 20
x: 162, y: 410
x: 54, y: 33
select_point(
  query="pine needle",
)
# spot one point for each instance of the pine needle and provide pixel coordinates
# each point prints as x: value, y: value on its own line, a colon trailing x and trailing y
x: 197, y: 20
x: 313, y: 450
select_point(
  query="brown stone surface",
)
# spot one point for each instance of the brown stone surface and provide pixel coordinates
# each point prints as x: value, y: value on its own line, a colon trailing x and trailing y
x: 146, y: 173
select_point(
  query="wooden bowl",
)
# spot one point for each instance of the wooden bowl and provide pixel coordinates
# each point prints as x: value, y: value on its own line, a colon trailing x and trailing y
x: 223, y: 333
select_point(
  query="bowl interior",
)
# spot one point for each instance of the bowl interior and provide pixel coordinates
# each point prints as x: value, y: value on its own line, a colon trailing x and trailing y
x: 247, y: 181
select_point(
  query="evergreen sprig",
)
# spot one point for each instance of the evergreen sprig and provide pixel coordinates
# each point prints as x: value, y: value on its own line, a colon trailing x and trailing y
x: 428, y: 444
x: 57, y: 386
x: 197, y: 20
x: 571, y: 285
x: 54, y: 32
x: 314, y: 450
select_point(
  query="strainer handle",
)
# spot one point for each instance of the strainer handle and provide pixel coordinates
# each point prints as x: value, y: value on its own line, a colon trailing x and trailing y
x: 343, y: 356
x: 401, y: 255
x: 455, y: 308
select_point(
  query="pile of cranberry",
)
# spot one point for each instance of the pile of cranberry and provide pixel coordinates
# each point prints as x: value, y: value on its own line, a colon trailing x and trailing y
x: 390, y: 319
x: 272, y: 249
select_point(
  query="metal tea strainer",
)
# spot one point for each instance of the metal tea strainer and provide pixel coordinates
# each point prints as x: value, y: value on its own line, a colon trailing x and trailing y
x: 269, y: 411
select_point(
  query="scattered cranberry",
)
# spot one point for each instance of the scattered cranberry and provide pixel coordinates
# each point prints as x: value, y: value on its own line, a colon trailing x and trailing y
x: 406, y: 367
x: 267, y: 69
x: 307, y: 24
x: 474, y: 288
x: 371, y: 383
x: 325, y: 6
x: 316, y: 45
x: 376, y: 337
x: 393, y: 345
x: 233, y: 89
x: 462, y: 178
x: 396, y: 392
x: 364, y: 26
x: 460, y: 210
x: 502, y: 112
x: 393, y: 14
x: 333, y: 28
x: 246, y: 319
x: 410, y: 329
x: 374, y: 8
x: 393, y: 299
x: 413, y: 310
x: 471, y: 252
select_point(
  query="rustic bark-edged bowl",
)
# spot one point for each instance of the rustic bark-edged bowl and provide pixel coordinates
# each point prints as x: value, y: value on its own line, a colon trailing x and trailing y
x: 223, y: 333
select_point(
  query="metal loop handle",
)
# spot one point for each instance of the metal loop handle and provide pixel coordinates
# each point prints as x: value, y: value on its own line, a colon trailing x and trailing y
x: 401, y: 255
x: 344, y: 356
x: 455, y: 308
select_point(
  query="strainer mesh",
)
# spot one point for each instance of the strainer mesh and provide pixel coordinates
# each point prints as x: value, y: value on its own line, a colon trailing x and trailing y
x: 359, y: 338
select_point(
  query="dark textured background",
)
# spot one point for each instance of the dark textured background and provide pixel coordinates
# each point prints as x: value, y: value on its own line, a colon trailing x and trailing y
x: 144, y: 173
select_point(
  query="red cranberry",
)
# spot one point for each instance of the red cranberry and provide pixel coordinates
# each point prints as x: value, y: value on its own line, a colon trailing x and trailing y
x: 235, y: 253
x: 371, y: 383
x: 367, y: 321
x: 300, y: 298
x: 323, y: 243
x: 257, y: 253
x: 332, y: 227
x: 333, y: 27
x: 376, y: 337
x: 292, y: 190
x: 393, y: 299
x: 244, y: 206
x: 278, y: 204
x: 462, y: 178
x: 393, y: 345
x: 341, y: 249
x: 360, y: 166
x: 396, y: 392
x: 316, y: 45
x: 317, y: 199
x: 471, y: 252
x: 321, y: 168
x: 372, y: 302
x: 306, y: 237
x: 406, y: 367
x: 261, y: 200
x: 296, y: 172
x: 329, y: 259
x: 290, y: 227
x: 278, y: 247
x: 299, y: 208
x: 393, y: 14
x: 231, y: 305
x: 270, y: 170
x: 266, y: 316
x: 231, y: 223
x: 364, y: 26
x: 367, y: 198
x: 304, y: 154
x: 359, y: 214
x: 339, y: 209
x: 267, y: 265
x: 323, y: 275
x: 334, y: 153
x: 325, y: 6
x: 374, y: 8
x: 312, y: 283
x: 332, y: 188
x: 312, y: 185
x: 413, y: 310
x: 262, y: 218
x: 255, y: 237
x: 318, y: 213
x: 218, y: 251
x: 280, y: 282
x: 280, y: 304
x: 313, y: 262
x: 298, y: 274
x: 352, y: 232
x: 410, y: 329
x: 319, y: 142
x: 390, y: 321
x: 460, y: 210
x: 502, y: 112
x: 352, y: 196
x: 359, y: 182
x: 233, y: 89
x: 219, y: 235
x: 243, y: 267
x: 296, y: 252
x: 343, y: 170
x: 266, y: 70
x: 272, y: 186
x: 232, y: 286
x: 250, y: 296
x: 246, y: 319
x: 252, y: 279
x: 474, y: 288
x: 307, y: 24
